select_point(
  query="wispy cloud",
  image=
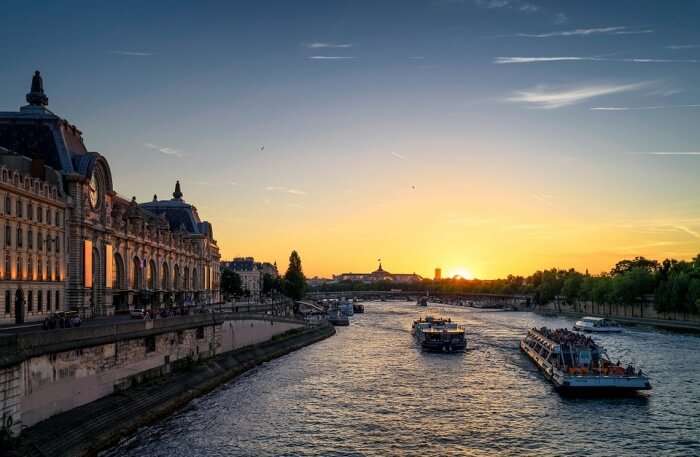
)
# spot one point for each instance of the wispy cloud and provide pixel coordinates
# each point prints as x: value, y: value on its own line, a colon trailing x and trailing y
x: 687, y: 230
x: 561, y: 18
x: 518, y: 5
x: 287, y: 190
x: 542, y: 97
x: 545, y: 199
x: 670, y: 153
x: 635, y: 108
x: 331, y: 57
x: 398, y: 156
x: 320, y: 45
x: 164, y: 150
x: 132, y: 53
x: 509, y: 60
x: 678, y: 47
x: 619, y: 30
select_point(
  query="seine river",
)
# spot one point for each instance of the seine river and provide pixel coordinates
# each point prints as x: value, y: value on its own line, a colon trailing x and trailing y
x: 368, y: 391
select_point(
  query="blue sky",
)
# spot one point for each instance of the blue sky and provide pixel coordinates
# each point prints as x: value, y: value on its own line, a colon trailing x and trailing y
x: 552, y: 113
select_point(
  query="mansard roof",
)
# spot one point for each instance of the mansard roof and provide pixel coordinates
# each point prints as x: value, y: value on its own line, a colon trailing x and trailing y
x: 28, y: 167
x: 180, y: 214
x: 36, y: 132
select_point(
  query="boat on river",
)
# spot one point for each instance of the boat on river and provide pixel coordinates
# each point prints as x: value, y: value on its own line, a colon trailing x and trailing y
x: 358, y: 308
x: 338, y: 318
x: 422, y: 301
x: 575, y: 363
x: 597, y: 324
x: 346, y: 307
x: 439, y: 335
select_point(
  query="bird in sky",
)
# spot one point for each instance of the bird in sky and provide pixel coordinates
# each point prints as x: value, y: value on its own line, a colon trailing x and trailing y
x: 262, y: 148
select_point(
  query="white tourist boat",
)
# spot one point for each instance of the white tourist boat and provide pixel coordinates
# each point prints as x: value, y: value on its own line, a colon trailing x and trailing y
x: 597, y: 324
x: 439, y: 335
x: 575, y: 363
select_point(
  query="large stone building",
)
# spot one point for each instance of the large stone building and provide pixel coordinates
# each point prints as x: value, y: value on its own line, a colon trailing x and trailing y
x: 379, y: 275
x: 70, y: 241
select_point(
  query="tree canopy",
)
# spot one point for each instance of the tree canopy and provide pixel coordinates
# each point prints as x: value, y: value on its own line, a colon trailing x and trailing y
x: 294, y: 285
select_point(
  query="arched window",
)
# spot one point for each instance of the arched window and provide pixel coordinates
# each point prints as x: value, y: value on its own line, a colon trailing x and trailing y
x: 176, y: 281
x: 39, y: 300
x: 30, y: 239
x: 8, y: 205
x: 57, y: 244
x: 57, y: 303
x: 40, y: 214
x: 8, y: 267
x: 20, y: 238
x: 117, y: 271
x: 48, y: 300
x: 30, y: 211
x: 152, y: 275
x: 8, y: 235
x: 30, y: 269
x: 39, y: 269
x: 195, y: 279
x: 30, y: 302
x: 165, y: 280
x: 39, y: 241
x: 57, y: 271
x: 48, y: 270
x: 8, y: 297
x: 186, y: 284
x: 19, y: 268
x: 136, y: 274
x: 19, y: 208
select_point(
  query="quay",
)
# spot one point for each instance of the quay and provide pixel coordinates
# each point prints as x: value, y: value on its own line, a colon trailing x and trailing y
x: 106, y: 380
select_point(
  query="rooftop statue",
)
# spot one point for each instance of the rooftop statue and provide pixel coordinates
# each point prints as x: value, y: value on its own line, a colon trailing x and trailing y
x: 36, y: 96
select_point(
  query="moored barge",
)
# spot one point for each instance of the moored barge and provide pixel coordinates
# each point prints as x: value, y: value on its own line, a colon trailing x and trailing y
x: 575, y: 363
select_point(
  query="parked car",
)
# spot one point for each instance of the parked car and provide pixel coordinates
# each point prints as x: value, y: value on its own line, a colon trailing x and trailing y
x: 137, y: 313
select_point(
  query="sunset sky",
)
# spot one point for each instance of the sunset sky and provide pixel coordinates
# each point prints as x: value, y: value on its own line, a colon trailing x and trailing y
x: 481, y: 136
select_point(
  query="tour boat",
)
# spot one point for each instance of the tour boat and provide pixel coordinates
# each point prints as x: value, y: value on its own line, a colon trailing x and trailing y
x: 597, y: 324
x: 346, y: 307
x: 358, y: 308
x: 439, y: 335
x: 337, y: 318
x: 422, y: 301
x: 575, y: 363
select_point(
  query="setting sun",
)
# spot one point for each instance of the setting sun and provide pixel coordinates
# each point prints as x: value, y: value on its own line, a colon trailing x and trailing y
x: 461, y: 272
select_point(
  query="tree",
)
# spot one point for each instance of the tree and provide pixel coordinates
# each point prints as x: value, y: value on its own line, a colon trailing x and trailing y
x: 269, y: 283
x: 572, y: 286
x: 629, y: 286
x: 230, y: 283
x: 294, y: 280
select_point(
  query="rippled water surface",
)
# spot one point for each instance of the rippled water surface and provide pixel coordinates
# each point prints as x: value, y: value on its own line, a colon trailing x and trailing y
x: 370, y: 391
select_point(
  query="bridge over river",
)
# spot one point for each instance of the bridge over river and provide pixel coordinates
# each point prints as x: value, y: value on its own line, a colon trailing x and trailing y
x: 474, y: 299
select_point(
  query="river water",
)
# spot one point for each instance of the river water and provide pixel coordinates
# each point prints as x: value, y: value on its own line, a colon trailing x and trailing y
x: 369, y: 391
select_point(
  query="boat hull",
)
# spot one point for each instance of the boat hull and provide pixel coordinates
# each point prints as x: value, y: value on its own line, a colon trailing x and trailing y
x: 449, y: 348
x: 587, y: 329
x: 566, y: 383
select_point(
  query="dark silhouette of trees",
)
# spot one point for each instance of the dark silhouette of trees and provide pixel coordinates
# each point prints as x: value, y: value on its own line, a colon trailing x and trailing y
x: 294, y: 280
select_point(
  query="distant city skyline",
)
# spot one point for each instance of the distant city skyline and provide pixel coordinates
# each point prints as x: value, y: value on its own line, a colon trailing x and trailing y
x: 479, y: 136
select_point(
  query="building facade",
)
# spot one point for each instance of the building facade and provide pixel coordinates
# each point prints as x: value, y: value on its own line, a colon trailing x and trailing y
x: 32, y: 238
x: 379, y: 275
x: 251, y: 273
x: 105, y: 253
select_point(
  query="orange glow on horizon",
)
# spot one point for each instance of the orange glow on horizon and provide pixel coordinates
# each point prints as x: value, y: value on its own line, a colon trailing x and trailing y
x: 460, y: 272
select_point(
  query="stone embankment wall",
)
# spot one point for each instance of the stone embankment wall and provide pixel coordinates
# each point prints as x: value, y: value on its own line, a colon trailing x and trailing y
x: 43, y: 374
x: 643, y: 313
